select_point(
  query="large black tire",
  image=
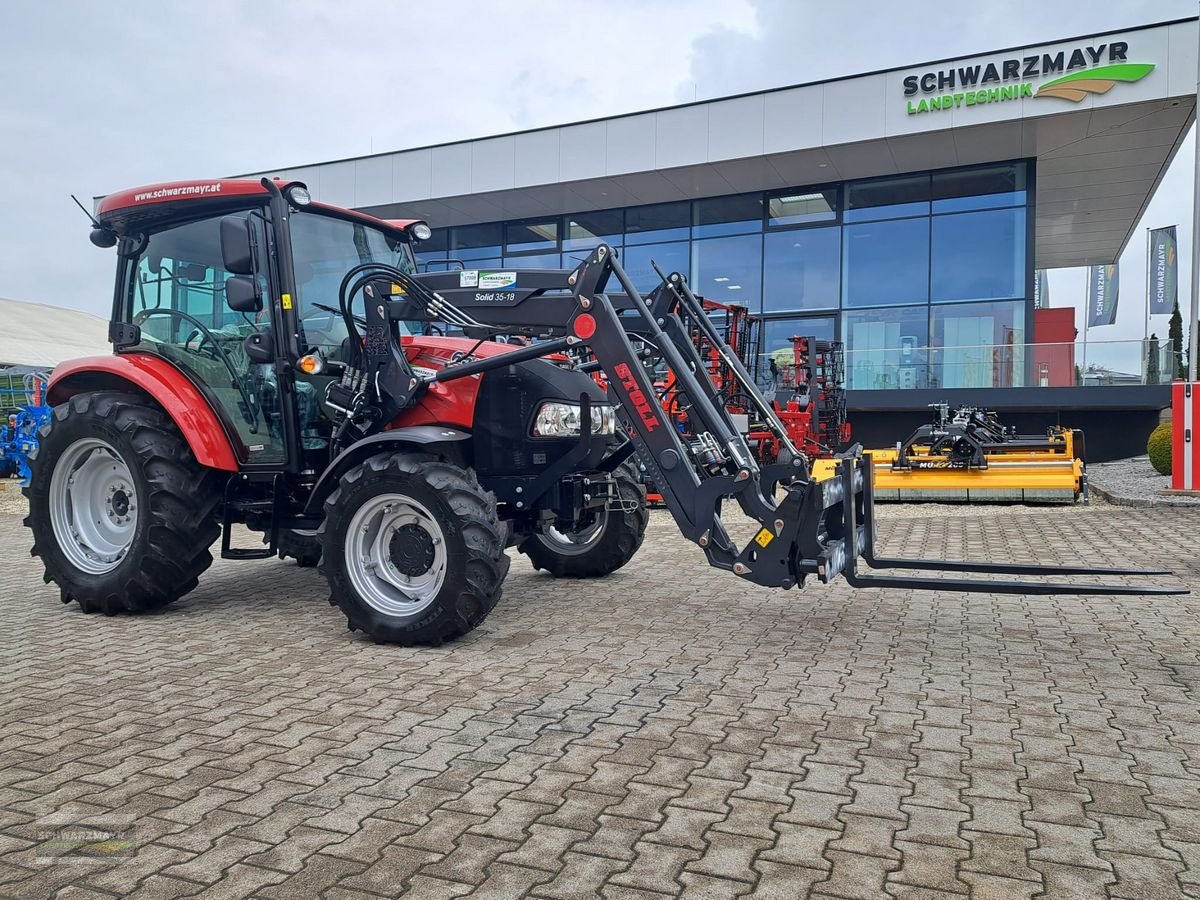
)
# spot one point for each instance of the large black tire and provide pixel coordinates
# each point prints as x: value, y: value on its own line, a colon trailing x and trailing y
x: 302, y: 546
x: 175, y: 498
x: 472, y: 558
x: 621, y: 531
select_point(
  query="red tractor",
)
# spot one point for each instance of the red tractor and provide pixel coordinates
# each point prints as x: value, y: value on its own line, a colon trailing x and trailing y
x: 280, y: 364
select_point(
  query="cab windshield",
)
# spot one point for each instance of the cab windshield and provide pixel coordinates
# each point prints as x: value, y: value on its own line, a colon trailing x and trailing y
x: 324, y: 249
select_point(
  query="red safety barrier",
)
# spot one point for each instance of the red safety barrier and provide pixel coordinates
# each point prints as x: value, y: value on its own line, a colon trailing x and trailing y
x: 1185, y: 416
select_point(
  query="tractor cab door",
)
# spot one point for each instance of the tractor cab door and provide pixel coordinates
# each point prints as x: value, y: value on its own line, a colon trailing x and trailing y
x: 177, y: 297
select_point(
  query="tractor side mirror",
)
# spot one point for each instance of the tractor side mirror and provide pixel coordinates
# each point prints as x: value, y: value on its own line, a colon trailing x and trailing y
x: 237, y: 245
x: 242, y: 295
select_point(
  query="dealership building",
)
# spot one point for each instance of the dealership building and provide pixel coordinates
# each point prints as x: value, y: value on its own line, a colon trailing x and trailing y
x: 903, y: 212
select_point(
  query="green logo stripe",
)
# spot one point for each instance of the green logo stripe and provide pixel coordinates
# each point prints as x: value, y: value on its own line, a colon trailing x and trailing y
x: 1119, y: 72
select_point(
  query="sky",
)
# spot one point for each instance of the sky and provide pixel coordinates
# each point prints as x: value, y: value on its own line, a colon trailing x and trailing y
x: 101, y: 96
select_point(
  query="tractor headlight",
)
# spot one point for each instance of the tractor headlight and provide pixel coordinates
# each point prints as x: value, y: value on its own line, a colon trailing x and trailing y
x: 564, y: 420
x: 420, y: 231
x: 298, y: 195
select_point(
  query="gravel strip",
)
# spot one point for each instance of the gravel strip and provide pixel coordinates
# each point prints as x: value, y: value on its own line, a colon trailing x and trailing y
x: 1133, y: 482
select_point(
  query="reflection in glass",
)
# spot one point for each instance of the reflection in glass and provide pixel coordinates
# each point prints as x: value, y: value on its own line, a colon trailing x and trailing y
x: 658, y: 222
x: 729, y: 270
x: 802, y: 207
x: 522, y: 236
x: 886, y: 348
x: 979, y: 255
x: 777, y: 343
x: 886, y: 263
x: 981, y: 188
x: 476, y: 241
x: 738, y: 214
x: 977, y: 345
x: 801, y: 269
x: 674, y: 257
x: 533, y: 261
x: 585, y: 230
x: 887, y: 198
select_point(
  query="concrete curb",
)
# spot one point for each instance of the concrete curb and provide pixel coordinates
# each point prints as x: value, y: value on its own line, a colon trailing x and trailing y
x: 1141, y: 502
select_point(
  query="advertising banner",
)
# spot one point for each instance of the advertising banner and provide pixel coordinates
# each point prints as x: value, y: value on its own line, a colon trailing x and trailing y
x: 1041, y: 290
x: 1164, y: 271
x: 1102, y: 295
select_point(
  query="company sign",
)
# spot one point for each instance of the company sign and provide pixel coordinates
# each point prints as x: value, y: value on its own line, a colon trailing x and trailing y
x: 1073, y: 74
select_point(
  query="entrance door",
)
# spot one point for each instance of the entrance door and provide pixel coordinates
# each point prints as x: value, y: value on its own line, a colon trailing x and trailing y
x: 177, y: 297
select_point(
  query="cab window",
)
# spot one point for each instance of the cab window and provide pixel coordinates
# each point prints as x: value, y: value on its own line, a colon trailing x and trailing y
x: 177, y: 299
x: 324, y: 249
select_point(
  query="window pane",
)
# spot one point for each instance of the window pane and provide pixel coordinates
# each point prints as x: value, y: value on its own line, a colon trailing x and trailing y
x: 886, y: 348
x: 777, y: 345
x: 729, y: 270
x: 887, y: 198
x: 658, y: 222
x: 669, y: 257
x: 802, y: 207
x: 476, y: 241
x: 521, y: 236
x: 533, y: 261
x: 437, y: 247
x: 728, y: 215
x: 886, y: 263
x: 977, y: 345
x: 801, y: 269
x: 979, y: 255
x: 487, y: 263
x: 585, y: 230
x: 982, y: 188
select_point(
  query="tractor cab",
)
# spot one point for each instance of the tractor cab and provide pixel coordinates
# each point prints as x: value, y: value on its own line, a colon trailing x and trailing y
x: 194, y: 289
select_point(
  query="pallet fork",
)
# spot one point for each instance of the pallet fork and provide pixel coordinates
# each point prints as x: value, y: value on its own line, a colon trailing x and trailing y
x: 816, y: 528
x: 855, y: 470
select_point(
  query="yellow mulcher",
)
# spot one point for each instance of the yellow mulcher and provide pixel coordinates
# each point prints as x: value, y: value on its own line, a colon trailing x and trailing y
x: 968, y: 455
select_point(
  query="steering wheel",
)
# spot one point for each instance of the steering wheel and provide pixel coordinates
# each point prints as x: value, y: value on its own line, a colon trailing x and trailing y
x: 207, y: 336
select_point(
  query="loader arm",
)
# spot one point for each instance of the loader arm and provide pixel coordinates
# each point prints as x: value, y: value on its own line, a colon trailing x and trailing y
x: 805, y: 527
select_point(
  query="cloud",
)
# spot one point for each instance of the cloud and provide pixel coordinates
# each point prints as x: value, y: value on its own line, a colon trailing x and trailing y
x: 101, y: 97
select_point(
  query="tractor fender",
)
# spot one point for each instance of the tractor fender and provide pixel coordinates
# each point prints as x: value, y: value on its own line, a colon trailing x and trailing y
x: 404, y: 438
x: 169, y: 388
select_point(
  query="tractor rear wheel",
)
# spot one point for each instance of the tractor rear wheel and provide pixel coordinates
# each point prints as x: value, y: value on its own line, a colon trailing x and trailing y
x: 122, y: 514
x: 413, y: 549
x: 603, y: 547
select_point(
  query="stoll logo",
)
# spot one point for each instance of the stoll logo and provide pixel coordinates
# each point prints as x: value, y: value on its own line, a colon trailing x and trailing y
x: 1083, y: 70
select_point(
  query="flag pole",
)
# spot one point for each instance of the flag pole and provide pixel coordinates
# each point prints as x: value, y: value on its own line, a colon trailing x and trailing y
x: 1087, y: 318
x: 1146, y: 330
x: 1195, y: 304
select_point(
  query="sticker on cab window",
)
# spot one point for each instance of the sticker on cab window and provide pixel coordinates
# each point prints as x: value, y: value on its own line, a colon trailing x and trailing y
x: 497, y: 281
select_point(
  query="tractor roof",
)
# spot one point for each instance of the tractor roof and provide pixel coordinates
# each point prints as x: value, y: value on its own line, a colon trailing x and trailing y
x: 153, y: 205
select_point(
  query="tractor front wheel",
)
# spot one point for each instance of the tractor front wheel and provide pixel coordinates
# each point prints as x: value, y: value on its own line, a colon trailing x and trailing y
x: 602, y: 547
x: 413, y: 549
x: 122, y: 514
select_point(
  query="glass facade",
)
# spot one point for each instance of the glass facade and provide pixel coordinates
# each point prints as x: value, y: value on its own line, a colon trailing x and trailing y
x: 924, y: 276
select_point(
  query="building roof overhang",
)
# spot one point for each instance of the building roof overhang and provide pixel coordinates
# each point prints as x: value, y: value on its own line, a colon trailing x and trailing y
x: 1101, y: 146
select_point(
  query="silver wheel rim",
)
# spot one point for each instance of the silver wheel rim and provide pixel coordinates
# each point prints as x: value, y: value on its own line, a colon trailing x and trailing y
x: 93, y: 506
x: 575, y: 543
x: 375, y: 529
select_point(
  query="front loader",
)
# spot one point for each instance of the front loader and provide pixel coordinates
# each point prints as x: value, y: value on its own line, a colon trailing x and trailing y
x: 280, y: 365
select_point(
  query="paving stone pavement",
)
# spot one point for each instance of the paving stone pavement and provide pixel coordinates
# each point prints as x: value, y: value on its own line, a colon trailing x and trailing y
x: 666, y: 731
